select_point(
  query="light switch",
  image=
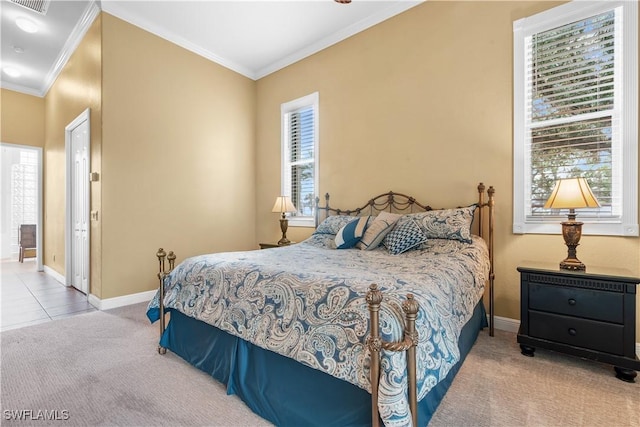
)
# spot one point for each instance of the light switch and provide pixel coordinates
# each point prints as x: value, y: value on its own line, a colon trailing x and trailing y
x: 94, y: 176
x: 94, y: 215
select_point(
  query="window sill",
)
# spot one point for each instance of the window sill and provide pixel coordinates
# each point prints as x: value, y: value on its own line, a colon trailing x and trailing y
x: 302, y: 222
x: 588, y: 229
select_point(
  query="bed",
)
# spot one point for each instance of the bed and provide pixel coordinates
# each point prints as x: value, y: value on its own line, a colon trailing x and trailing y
x: 309, y: 334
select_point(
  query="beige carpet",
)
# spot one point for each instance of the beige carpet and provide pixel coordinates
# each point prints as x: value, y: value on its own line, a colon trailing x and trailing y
x: 102, y: 368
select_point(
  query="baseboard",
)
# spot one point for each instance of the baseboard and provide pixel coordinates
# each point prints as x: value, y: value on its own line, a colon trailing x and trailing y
x: 512, y: 325
x: 51, y: 272
x: 506, y: 324
x: 109, y: 303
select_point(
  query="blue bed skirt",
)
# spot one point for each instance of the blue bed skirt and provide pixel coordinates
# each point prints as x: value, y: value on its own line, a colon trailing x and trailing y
x: 286, y: 392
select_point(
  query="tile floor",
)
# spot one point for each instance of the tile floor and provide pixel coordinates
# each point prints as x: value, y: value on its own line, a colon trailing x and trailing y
x: 29, y: 297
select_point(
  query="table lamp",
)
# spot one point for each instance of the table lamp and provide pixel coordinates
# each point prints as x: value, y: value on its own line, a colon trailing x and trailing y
x: 572, y: 194
x: 283, y: 205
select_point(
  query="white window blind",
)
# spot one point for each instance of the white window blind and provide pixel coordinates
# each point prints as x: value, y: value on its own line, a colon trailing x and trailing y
x: 299, y: 150
x: 571, y: 117
x: 572, y: 109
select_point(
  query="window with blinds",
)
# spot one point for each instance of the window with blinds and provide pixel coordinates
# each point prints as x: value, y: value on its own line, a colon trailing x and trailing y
x: 299, y: 151
x: 572, y: 107
x: 575, y: 113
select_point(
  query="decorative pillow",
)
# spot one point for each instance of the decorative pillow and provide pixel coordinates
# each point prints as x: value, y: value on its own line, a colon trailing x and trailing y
x: 377, y: 230
x: 404, y: 236
x: 332, y: 224
x: 452, y: 224
x: 350, y: 234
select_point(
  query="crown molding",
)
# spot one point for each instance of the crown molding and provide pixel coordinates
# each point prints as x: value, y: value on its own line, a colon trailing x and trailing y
x: 76, y: 36
x: 337, y: 37
x: 115, y: 9
x: 22, y: 89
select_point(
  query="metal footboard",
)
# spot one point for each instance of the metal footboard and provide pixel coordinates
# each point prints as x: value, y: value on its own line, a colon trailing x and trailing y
x: 162, y: 273
x: 375, y: 344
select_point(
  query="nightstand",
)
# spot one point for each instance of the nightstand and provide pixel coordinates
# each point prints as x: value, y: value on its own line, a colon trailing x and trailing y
x: 589, y: 315
x: 273, y: 245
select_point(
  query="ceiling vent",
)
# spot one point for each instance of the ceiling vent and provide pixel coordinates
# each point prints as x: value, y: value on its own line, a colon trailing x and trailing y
x: 39, y: 6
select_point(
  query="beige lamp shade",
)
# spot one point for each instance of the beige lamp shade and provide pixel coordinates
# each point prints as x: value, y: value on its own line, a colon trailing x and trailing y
x: 283, y: 204
x: 572, y: 193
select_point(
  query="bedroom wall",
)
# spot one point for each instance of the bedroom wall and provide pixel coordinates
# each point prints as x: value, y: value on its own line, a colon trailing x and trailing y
x: 77, y: 88
x: 21, y: 118
x: 421, y: 104
x: 178, y: 157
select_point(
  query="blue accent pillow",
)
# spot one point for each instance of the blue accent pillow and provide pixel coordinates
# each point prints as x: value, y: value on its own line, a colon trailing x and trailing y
x: 405, y: 236
x: 351, y: 233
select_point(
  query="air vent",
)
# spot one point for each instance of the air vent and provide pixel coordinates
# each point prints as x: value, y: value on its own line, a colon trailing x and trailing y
x: 40, y: 6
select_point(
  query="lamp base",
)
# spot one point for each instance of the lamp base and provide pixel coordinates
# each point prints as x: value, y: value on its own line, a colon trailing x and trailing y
x: 572, y: 264
x: 571, y: 232
x: 284, y: 223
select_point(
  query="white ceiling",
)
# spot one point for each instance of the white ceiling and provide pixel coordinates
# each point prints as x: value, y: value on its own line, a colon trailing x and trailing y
x: 253, y: 38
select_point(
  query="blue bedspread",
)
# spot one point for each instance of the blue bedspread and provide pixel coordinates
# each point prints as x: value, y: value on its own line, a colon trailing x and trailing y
x: 307, y: 302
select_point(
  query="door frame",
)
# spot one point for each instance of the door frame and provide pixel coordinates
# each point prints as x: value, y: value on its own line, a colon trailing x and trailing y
x: 68, y: 234
x: 39, y: 204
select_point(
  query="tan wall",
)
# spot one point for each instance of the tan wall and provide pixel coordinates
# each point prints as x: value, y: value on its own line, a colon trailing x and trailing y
x: 178, y: 156
x: 421, y: 104
x: 21, y: 118
x: 77, y: 88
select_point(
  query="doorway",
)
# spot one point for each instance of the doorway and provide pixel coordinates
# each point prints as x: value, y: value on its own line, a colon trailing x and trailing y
x: 78, y: 149
x: 21, y: 197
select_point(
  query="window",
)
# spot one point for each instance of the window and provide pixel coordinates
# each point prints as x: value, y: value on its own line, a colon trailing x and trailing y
x: 300, y: 157
x: 576, y: 114
x: 24, y: 186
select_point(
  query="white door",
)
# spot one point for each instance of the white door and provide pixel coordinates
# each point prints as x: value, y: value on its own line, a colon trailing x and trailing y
x: 79, y: 206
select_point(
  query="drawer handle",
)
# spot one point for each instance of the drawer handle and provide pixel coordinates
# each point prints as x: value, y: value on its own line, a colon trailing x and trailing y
x: 572, y: 332
x: 572, y: 301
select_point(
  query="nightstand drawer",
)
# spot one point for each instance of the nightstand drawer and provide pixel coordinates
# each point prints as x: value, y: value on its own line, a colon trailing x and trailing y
x: 585, y: 333
x: 587, y: 303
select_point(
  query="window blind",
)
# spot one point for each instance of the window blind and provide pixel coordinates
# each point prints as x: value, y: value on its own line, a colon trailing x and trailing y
x: 301, y: 160
x: 571, y: 109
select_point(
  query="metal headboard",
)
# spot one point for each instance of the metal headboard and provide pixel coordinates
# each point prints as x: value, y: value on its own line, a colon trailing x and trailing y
x: 391, y: 201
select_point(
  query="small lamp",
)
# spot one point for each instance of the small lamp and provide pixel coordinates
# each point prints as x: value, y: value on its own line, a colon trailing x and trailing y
x: 572, y: 194
x: 283, y: 205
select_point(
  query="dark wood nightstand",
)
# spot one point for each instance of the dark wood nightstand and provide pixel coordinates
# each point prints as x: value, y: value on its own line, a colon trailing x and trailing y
x: 589, y: 315
x: 273, y: 245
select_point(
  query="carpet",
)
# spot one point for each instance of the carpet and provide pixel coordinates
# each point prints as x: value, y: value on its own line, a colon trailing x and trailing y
x: 102, y: 369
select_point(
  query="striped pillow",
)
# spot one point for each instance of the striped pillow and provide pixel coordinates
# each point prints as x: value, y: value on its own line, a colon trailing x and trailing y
x: 377, y: 230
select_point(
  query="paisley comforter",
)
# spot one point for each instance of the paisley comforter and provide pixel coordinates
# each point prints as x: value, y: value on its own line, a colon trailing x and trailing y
x: 307, y: 302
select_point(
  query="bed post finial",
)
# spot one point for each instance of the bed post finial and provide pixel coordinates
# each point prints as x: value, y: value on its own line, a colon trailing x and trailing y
x: 161, y: 254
